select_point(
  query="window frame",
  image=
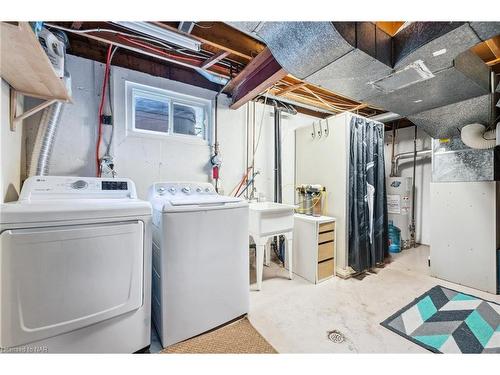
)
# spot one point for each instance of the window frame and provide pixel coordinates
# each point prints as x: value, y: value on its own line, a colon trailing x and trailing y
x: 134, y: 90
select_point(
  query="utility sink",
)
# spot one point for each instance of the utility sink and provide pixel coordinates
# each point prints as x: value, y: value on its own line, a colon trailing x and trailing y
x: 268, y: 218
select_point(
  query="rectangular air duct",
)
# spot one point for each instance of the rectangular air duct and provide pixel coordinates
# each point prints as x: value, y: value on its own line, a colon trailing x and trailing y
x: 445, y: 121
x: 468, y: 77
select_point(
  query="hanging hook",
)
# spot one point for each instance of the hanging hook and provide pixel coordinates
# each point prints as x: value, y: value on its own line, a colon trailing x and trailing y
x: 327, y: 129
x: 320, y: 131
x: 313, y: 134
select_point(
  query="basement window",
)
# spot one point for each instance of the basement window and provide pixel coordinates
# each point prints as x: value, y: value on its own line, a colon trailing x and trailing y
x: 157, y: 112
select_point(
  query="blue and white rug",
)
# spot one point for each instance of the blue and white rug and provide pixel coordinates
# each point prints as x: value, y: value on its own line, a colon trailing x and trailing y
x: 446, y: 321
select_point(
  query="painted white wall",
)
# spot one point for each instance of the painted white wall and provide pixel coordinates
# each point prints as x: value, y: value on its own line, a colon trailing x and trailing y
x: 404, y: 143
x: 11, y: 150
x: 264, y: 160
x: 147, y: 160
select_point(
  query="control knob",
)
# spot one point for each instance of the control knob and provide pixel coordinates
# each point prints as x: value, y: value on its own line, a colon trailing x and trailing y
x: 79, y: 184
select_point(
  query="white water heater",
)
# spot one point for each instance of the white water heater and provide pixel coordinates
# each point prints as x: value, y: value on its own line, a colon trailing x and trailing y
x: 399, y: 206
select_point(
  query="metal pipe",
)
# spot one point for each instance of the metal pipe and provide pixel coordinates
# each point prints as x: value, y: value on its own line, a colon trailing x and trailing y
x: 277, y: 155
x: 216, y: 128
x: 407, y: 155
x: 412, y: 223
x: 45, y: 139
x: 214, y: 78
x: 392, y: 148
x: 247, y: 126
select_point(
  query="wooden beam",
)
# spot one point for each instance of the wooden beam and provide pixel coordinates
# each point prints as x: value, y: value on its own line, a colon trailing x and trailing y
x: 493, y: 62
x: 259, y: 75
x: 494, y: 45
x: 214, y: 59
x: 290, y: 88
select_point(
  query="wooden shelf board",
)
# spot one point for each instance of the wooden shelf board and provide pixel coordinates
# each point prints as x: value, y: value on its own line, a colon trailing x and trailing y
x: 25, y: 66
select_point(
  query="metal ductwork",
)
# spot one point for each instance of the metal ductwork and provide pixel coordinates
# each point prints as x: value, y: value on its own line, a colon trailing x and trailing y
x: 445, y: 122
x: 39, y: 164
x: 467, y: 77
x: 45, y: 139
x: 426, y: 67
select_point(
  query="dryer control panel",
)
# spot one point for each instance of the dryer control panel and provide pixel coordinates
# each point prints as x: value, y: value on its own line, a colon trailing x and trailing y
x: 59, y: 187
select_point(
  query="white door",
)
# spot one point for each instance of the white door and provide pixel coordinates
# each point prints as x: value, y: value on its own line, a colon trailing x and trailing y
x: 57, y: 279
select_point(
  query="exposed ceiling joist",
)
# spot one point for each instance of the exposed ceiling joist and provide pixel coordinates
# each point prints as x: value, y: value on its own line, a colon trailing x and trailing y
x: 214, y: 59
x: 494, y: 45
x: 290, y: 88
x: 259, y: 75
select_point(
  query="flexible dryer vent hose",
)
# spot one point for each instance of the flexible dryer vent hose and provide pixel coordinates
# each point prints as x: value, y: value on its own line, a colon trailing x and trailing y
x: 44, y: 142
x: 476, y: 136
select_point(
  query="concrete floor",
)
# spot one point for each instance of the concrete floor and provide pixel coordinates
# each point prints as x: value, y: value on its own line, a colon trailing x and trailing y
x: 295, y: 315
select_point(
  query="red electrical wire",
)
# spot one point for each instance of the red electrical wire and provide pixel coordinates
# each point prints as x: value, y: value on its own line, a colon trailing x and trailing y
x: 101, y: 105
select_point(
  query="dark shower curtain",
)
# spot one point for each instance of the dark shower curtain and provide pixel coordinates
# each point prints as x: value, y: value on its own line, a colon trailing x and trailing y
x: 368, y: 232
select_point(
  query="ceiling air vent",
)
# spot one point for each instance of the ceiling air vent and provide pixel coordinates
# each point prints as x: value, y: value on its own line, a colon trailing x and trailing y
x: 411, y: 74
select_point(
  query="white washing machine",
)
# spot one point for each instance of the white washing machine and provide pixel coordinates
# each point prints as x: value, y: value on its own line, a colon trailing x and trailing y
x: 200, y: 259
x: 75, y: 267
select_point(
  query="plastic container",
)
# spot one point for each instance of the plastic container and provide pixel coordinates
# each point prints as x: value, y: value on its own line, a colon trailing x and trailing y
x: 394, y: 238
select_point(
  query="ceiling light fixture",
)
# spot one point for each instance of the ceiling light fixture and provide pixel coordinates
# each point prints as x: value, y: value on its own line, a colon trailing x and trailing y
x: 162, y: 34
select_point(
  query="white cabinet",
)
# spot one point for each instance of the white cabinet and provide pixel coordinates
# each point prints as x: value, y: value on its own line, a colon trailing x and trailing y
x: 314, y: 247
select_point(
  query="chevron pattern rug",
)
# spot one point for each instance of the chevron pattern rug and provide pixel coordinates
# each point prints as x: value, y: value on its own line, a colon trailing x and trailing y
x: 446, y: 321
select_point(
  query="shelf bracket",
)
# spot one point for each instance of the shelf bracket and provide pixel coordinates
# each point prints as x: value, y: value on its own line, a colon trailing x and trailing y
x: 15, y: 118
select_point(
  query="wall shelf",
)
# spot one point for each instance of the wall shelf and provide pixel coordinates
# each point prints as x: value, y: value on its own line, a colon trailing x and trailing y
x: 27, y: 69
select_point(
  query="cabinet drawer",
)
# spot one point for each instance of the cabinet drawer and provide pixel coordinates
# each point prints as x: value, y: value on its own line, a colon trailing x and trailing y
x: 325, y: 269
x: 325, y: 251
x: 325, y: 237
x: 326, y: 227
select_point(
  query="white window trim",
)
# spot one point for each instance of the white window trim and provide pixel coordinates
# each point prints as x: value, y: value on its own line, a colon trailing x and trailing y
x: 173, y: 98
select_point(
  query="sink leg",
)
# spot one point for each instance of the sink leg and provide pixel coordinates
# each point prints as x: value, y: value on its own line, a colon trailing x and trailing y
x: 288, y: 254
x: 267, y: 255
x: 259, y: 252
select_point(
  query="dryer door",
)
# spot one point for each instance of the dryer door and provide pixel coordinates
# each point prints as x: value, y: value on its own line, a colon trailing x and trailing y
x: 57, y: 279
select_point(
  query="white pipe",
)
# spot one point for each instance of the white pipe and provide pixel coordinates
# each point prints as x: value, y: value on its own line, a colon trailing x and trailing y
x: 498, y: 132
x: 386, y: 117
x: 476, y: 136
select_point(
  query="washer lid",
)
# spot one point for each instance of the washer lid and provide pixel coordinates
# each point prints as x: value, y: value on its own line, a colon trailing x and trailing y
x: 197, y: 203
x: 56, y: 210
x: 202, y: 200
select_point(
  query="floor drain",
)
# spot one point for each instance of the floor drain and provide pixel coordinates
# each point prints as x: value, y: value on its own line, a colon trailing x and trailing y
x: 336, y: 337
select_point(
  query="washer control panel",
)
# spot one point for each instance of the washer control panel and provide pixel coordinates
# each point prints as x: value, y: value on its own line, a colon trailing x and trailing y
x: 56, y: 187
x: 184, y: 188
